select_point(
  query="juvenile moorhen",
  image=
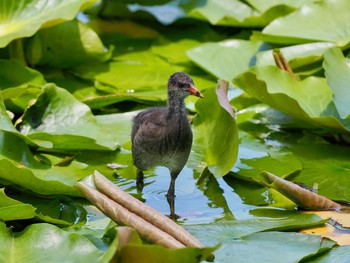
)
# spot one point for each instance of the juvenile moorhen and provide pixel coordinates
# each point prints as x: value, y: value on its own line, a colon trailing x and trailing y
x: 162, y: 136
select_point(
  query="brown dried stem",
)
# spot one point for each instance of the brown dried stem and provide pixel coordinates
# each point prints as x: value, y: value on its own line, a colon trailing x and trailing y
x: 142, y: 210
x: 302, y: 197
x: 282, y: 63
x: 123, y: 216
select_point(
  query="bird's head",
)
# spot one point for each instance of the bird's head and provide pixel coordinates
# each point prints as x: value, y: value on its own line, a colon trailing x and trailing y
x: 182, y: 85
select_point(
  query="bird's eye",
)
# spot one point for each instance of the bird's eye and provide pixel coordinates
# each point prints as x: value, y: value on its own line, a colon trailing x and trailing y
x: 181, y: 85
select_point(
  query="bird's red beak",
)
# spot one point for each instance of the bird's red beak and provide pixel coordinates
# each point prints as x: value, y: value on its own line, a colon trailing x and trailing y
x: 194, y: 91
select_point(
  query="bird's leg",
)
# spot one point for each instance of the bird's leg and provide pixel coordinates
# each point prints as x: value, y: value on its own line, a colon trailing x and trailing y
x: 171, y: 196
x: 139, y: 180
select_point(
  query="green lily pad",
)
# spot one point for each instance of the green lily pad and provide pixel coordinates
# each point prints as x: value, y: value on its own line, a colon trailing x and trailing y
x: 241, y: 239
x: 43, y: 242
x: 149, y: 72
x: 337, y: 72
x: 226, y: 59
x: 19, y: 84
x: 325, y: 165
x: 272, y: 247
x: 65, y: 123
x: 24, y: 18
x: 310, y: 100
x: 215, y: 132
x: 256, y: 156
x: 238, y: 13
x: 13, y: 74
x: 40, y: 173
x: 299, y: 57
x: 313, y: 22
x: 11, y: 209
x: 339, y: 254
x: 263, y: 6
x: 230, y: 230
x: 66, y: 45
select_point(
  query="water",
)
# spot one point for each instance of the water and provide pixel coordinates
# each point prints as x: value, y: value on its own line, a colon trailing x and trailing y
x: 195, y: 202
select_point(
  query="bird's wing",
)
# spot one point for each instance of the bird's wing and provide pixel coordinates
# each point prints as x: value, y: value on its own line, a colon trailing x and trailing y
x: 148, y: 125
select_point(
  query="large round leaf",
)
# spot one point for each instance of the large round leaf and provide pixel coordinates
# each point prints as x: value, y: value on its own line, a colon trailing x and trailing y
x: 238, y: 13
x: 66, y: 45
x: 24, y: 18
x: 310, y: 99
x: 320, y: 21
x: 57, y: 117
x: 45, y: 243
x: 226, y: 59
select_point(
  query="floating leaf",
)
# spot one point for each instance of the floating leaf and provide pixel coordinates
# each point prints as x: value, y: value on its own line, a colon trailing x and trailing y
x: 40, y: 242
x: 312, y: 22
x: 230, y: 230
x: 238, y: 13
x: 309, y: 99
x: 324, y: 164
x: 24, y: 18
x: 340, y: 254
x: 256, y: 156
x: 66, y: 45
x: 11, y: 209
x: 18, y: 89
x: 226, y: 59
x: 272, y: 246
x: 57, y: 117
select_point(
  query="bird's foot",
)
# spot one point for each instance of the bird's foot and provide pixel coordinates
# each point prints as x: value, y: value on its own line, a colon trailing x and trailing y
x: 174, y: 216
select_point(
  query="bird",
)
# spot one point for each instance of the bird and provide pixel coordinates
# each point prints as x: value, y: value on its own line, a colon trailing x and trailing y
x: 162, y: 136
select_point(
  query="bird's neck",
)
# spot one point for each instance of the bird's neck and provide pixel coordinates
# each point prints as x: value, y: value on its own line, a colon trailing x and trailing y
x: 176, y: 105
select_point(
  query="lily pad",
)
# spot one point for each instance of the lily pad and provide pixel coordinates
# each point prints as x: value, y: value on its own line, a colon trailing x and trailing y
x: 11, y: 209
x: 256, y: 156
x: 24, y: 18
x: 63, y: 122
x: 237, y: 13
x: 66, y: 45
x: 339, y: 254
x: 325, y: 165
x: 272, y: 247
x: 43, y: 242
x: 337, y: 72
x: 310, y: 99
x: 215, y: 132
x: 313, y: 22
x: 284, y: 221
x: 226, y: 59
x: 241, y: 239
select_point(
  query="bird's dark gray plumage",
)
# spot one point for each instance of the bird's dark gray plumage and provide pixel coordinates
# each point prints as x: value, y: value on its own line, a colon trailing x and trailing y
x: 162, y: 136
